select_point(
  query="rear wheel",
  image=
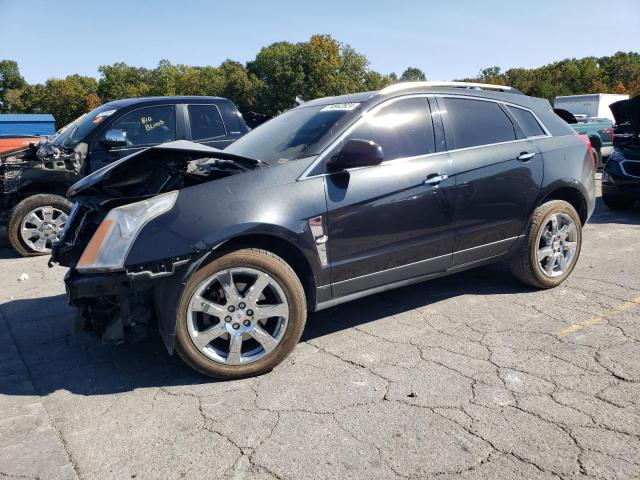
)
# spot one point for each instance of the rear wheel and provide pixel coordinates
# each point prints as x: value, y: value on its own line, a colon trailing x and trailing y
x: 616, y: 203
x: 36, y: 222
x: 240, y: 315
x: 551, y: 246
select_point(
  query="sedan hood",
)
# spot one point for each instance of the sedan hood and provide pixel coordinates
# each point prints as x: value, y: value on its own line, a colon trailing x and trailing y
x: 153, y: 169
x: 627, y: 111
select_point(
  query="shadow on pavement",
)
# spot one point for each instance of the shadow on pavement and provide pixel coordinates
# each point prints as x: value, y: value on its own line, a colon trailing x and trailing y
x: 603, y: 214
x: 53, y: 358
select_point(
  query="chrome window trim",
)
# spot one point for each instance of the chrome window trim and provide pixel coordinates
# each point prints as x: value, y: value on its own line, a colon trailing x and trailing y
x: 374, y: 109
x: 625, y: 171
x: 542, y: 125
x: 510, y: 104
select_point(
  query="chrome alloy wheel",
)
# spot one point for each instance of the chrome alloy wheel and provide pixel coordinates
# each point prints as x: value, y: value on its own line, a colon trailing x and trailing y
x: 41, y: 227
x: 237, y: 316
x: 557, y: 244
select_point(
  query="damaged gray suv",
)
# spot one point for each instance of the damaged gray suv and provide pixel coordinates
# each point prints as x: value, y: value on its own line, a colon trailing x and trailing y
x: 225, y: 251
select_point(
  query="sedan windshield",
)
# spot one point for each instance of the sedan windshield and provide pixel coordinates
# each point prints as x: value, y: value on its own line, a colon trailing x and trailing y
x: 290, y: 135
x: 75, y: 132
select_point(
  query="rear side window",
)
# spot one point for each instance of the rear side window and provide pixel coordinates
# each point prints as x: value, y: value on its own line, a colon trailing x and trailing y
x: 477, y: 122
x: 527, y: 121
x: 403, y: 129
x: 206, y: 122
x: 148, y: 126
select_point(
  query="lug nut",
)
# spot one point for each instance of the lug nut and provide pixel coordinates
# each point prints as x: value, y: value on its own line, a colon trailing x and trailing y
x: 227, y: 318
x: 246, y: 323
x: 231, y: 308
x: 249, y: 312
x: 241, y: 305
x: 236, y: 326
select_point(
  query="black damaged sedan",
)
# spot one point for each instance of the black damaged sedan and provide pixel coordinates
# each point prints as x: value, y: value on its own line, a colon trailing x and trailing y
x: 225, y: 251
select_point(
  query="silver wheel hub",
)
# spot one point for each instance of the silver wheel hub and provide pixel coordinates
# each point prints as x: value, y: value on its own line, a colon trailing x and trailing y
x: 41, y: 227
x: 237, y: 316
x: 557, y: 244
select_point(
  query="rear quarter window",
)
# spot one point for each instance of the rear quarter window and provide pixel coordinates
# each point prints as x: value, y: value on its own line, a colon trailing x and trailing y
x: 527, y: 122
x: 477, y: 122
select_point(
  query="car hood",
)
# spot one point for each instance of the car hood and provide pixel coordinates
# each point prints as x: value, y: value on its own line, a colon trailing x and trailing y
x: 139, y: 168
x: 627, y: 111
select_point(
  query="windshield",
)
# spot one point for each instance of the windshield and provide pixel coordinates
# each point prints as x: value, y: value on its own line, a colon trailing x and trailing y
x: 75, y: 132
x: 291, y: 134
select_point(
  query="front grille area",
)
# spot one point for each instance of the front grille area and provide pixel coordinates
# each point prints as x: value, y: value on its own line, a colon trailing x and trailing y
x: 631, y: 168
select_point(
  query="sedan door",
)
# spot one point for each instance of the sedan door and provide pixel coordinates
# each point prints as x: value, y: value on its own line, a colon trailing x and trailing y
x: 497, y: 171
x: 393, y: 221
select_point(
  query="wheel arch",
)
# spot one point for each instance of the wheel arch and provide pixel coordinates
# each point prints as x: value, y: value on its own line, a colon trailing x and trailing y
x: 279, y: 246
x: 571, y: 195
x: 37, y: 187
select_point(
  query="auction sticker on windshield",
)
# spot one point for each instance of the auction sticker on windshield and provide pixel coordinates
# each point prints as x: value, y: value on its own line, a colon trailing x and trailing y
x: 339, y: 106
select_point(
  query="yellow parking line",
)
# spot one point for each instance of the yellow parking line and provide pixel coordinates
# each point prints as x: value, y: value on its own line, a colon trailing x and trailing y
x: 599, y: 318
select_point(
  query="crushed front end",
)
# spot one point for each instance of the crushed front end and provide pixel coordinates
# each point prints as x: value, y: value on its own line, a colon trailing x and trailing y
x: 44, y: 164
x: 116, y: 298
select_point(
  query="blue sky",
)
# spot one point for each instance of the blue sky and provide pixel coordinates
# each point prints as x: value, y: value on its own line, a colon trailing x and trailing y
x: 445, y: 39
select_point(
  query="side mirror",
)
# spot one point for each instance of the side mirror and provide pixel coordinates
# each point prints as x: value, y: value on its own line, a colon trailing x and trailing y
x: 356, y: 153
x: 115, y: 138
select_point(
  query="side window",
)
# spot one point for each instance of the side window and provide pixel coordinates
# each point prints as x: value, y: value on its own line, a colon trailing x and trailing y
x: 527, y: 121
x: 477, y: 122
x: 403, y: 129
x: 206, y: 122
x: 148, y: 126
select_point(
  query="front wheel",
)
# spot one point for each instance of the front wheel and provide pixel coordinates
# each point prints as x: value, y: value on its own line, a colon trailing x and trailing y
x: 36, y: 222
x: 551, y: 247
x: 240, y: 315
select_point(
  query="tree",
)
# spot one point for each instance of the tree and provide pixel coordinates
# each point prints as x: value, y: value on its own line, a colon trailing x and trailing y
x: 281, y: 76
x: 413, y: 74
x: 10, y: 79
x: 123, y: 81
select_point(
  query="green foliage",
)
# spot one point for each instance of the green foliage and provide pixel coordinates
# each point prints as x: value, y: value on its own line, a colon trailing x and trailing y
x: 270, y: 82
x: 10, y: 79
x: 619, y: 73
x: 413, y: 74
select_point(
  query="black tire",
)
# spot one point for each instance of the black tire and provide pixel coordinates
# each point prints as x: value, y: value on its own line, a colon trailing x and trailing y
x: 286, y: 278
x: 22, y: 209
x: 599, y: 163
x: 525, y: 265
x: 615, y: 202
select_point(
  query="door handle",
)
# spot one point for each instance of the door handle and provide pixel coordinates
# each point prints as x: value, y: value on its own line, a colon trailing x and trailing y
x: 524, y: 156
x: 434, y: 180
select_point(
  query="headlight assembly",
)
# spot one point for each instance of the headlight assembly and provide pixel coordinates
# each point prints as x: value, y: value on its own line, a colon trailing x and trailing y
x: 111, y: 242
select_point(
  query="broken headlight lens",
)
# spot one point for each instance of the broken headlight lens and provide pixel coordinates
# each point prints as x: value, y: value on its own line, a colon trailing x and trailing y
x: 110, y: 244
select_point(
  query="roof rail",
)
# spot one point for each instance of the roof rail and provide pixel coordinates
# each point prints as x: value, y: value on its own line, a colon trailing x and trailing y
x: 470, y: 85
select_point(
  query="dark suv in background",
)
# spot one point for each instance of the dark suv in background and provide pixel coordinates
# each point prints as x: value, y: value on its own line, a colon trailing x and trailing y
x: 333, y: 200
x: 33, y: 180
x: 621, y: 176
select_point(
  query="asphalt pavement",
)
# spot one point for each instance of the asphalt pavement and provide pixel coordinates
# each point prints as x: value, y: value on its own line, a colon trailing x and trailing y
x: 469, y: 376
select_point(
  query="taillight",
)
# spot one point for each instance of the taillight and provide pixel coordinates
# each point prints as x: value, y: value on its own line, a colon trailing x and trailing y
x: 585, y: 139
x: 607, y: 131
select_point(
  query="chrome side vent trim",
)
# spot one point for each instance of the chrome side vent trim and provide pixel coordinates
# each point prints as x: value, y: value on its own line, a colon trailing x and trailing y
x: 320, y: 239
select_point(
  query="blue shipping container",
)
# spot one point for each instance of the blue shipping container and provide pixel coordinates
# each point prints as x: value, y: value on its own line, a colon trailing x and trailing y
x: 27, y: 124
